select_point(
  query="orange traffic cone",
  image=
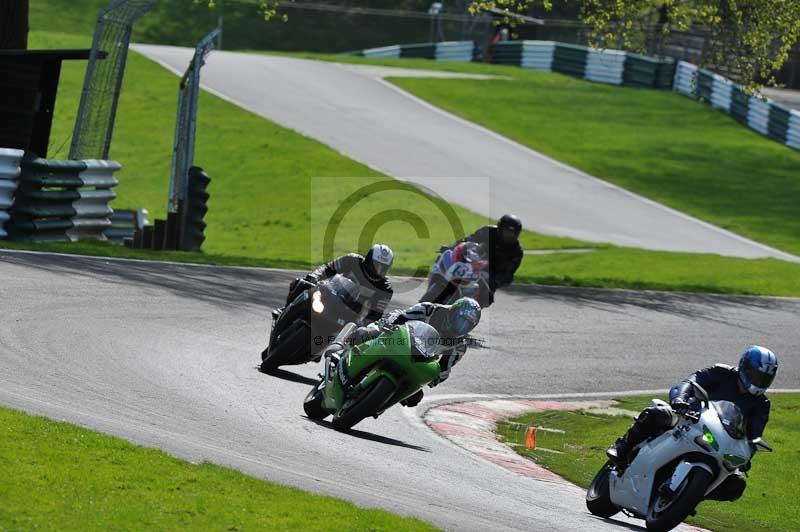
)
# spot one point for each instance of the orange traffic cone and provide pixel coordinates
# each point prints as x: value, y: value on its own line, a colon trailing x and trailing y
x: 530, y: 438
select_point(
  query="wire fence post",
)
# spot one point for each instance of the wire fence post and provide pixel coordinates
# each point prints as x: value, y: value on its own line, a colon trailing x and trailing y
x: 185, y: 129
x: 94, y: 125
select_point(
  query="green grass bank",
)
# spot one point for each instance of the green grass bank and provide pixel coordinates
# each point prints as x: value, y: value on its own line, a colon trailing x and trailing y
x: 57, y: 476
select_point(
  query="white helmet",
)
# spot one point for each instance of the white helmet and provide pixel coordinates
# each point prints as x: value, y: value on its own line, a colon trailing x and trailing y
x: 378, y: 260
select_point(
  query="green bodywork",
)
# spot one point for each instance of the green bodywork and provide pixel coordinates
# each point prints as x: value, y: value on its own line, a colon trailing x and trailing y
x: 389, y: 355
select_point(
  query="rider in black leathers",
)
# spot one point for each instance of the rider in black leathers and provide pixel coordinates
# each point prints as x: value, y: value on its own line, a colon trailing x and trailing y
x: 368, y: 272
x: 722, y: 383
x: 505, y: 255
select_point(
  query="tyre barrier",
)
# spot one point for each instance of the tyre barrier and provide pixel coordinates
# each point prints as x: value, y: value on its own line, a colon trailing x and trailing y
x: 9, y: 176
x: 755, y: 111
x: 440, y: 51
x: 604, y: 66
x: 63, y: 201
x: 125, y: 223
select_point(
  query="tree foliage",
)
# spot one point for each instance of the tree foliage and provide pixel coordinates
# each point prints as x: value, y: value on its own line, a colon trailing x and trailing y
x: 746, y: 39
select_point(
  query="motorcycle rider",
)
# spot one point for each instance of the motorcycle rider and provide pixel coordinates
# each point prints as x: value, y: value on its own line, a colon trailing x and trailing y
x: 452, y: 322
x: 745, y: 386
x: 368, y: 272
x: 505, y: 255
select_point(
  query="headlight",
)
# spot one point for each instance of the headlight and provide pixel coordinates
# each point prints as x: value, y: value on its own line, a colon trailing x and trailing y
x: 733, y: 461
x: 709, y: 438
x: 316, y: 302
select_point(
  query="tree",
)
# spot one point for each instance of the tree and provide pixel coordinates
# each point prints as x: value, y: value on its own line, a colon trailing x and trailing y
x: 13, y: 24
x: 748, y: 40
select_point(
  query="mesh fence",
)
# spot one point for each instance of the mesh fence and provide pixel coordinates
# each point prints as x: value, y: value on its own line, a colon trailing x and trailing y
x: 186, y: 120
x: 94, y: 125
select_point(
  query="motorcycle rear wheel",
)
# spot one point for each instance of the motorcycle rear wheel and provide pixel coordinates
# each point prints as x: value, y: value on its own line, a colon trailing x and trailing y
x: 598, y: 498
x: 690, y: 494
x: 367, y: 405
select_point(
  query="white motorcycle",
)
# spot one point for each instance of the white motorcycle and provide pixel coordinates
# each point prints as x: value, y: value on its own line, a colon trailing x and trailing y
x: 668, y: 476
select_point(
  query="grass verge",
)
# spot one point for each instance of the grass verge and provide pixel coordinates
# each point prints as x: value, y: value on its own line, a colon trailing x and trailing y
x: 61, y: 477
x: 771, y: 483
x: 273, y: 192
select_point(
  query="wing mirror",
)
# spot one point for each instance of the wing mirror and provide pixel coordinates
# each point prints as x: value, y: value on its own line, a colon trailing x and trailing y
x: 700, y: 393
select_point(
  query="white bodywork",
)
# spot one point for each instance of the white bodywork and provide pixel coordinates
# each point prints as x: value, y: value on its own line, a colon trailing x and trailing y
x: 633, y: 489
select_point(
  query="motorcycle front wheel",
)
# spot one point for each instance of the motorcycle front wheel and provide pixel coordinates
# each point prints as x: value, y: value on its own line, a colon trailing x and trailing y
x: 598, y: 498
x: 312, y: 405
x: 365, y: 406
x: 280, y: 354
x: 668, y: 511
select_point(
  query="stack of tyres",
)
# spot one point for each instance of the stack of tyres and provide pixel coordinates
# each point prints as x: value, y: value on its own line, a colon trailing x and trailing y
x: 705, y: 83
x: 793, y: 132
x: 538, y: 55
x: 462, y: 51
x: 605, y: 66
x: 640, y: 71
x: 9, y: 174
x: 758, y: 114
x: 422, y: 51
x: 507, y: 53
x: 778, y: 125
x: 385, y: 51
x: 740, y: 104
x: 665, y: 73
x: 570, y: 59
x: 61, y: 201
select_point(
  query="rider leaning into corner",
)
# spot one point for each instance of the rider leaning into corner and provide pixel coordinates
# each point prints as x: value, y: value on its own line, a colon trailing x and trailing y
x: 744, y: 386
x: 505, y: 256
x: 453, y: 323
x: 368, y: 272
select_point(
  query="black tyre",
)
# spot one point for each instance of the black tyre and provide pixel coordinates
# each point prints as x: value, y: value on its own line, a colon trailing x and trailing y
x: 365, y: 406
x: 312, y: 405
x: 598, y: 499
x: 667, y: 512
x: 274, y: 357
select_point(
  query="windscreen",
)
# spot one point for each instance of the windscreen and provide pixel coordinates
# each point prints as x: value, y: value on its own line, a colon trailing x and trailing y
x: 424, y: 339
x: 731, y: 418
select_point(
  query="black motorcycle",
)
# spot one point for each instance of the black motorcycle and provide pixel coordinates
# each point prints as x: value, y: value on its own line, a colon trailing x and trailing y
x: 310, y: 321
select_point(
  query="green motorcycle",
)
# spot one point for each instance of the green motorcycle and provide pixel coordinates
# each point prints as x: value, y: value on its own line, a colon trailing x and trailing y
x: 367, y: 379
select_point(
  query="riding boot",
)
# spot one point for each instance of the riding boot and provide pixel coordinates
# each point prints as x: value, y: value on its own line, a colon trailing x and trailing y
x: 621, y: 449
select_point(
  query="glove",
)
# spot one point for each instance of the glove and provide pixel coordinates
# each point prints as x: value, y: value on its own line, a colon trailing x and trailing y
x: 681, y: 406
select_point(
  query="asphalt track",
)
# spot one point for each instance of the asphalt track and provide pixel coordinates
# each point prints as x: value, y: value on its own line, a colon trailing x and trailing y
x: 166, y: 355
x: 355, y: 111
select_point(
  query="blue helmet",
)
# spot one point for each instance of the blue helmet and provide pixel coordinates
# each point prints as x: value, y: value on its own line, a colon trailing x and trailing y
x: 757, y: 369
x: 462, y: 316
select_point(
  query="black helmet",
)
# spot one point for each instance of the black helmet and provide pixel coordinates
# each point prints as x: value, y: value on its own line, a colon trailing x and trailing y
x: 509, y: 227
x: 462, y: 316
x: 378, y: 261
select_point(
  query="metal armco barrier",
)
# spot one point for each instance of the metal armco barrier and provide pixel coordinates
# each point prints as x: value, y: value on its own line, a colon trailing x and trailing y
x: 9, y: 174
x: 63, y: 200
x: 755, y: 111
